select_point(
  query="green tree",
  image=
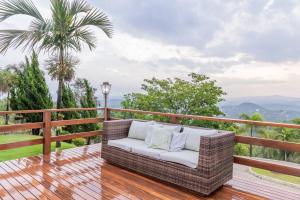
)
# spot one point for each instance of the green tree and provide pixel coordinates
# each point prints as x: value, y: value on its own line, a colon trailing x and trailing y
x: 250, y: 127
x: 285, y: 134
x: 7, y: 78
x: 69, y: 101
x: 267, y: 133
x: 67, y: 30
x: 199, y: 96
x: 88, y: 100
x: 30, y: 91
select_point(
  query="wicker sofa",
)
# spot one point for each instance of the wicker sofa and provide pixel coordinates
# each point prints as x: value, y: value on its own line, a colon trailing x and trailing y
x: 214, y: 168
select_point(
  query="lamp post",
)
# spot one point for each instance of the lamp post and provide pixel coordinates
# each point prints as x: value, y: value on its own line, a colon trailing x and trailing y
x: 105, y: 87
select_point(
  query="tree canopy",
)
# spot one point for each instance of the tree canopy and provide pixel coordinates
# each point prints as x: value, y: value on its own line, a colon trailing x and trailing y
x: 30, y: 91
x: 7, y: 79
x: 199, y: 96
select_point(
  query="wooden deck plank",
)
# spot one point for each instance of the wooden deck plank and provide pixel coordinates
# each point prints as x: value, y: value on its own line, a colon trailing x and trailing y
x: 64, y: 180
x: 263, y: 191
x: 103, y: 180
x: 87, y: 171
x: 80, y: 173
x: 21, y: 189
x: 4, y: 194
x: 85, y: 175
x: 32, y: 189
x: 44, y: 185
x: 45, y: 192
x: 55, y: 186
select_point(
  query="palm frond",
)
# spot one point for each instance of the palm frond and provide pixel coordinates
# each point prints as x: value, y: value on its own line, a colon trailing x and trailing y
x: 37, y: 32
x: 12, y: 38
x: 56, y: 70
x: 79, y: 6
x: 84, y: 35
x: 99, y: 19
x: 42, y: 33
x: 10, y: 8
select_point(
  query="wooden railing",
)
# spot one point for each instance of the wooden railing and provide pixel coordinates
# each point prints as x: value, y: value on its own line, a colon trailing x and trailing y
x: 47, y: 125
x: 282, y: 145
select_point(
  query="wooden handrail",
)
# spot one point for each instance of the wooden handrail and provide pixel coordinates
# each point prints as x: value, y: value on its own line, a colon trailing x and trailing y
x: 14, y: 145
x: 284, y: 169
x: 47, y: 124
x: 75, y: 135
x: 16, y: 127
x: 76, y: 121
x: 206, y: 118
x: 50, y: 110
x: 276, y: 144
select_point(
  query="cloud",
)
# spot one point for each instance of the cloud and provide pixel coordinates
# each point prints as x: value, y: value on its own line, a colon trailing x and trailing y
x: 266, y: 30
x: 249, y: 47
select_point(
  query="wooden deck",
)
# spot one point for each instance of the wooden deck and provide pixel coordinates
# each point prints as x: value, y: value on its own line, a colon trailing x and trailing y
x: 80, y: 173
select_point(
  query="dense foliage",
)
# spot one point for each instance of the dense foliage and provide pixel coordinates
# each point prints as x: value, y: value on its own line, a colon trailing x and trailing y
x: 68, y: 29
x: 199, y: 96
x: 88, y: 100
x: 7, y: 79
x: 30, y: 91
x: 69, y: 101
x: 283, y: 134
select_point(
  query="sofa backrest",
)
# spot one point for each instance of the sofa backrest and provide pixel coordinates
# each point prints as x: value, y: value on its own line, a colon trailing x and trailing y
x: 138, y: 128
x: 193, y: 136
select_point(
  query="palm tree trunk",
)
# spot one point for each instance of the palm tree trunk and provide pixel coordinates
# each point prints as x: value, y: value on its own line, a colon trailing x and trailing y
x: 285, y: 156
x: 7, y: 108
x: 251, y: 147
x: 60, y: 87
x: 89, y: 141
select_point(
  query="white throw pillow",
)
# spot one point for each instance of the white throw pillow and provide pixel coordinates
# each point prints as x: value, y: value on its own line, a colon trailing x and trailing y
x: 138, y: 129
x: 149, y: 133
x: 193, y: 137
x: 178, y: 141
x: 161, y: 138
x: 166, y: 127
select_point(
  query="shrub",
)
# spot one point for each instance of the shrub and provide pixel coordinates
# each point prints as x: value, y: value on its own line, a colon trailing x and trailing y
x: 79, y: 142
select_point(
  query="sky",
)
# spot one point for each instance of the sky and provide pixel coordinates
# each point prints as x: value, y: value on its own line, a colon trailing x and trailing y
x: 250, y: 47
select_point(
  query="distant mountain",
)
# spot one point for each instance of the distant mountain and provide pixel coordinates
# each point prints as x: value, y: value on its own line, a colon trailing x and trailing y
x: 270, y: 102
x: 115, y: 102
x: 273, y: 108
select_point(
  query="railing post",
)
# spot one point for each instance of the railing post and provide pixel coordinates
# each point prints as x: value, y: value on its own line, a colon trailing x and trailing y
x: 106, y: 114
x: 174, y: 120
x: 47, y: 136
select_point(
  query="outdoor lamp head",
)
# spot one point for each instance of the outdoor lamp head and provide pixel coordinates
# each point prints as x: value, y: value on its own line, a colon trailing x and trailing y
x: 105, y: 86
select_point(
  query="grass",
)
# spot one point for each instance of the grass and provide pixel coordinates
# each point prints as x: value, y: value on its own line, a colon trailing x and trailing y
x: 12, y: 154
x: 282, y: 177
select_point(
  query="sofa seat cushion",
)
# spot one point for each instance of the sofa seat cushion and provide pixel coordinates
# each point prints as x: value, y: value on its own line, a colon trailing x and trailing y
x: 125, y: 143
x: 184, y: 157
x: 143, y: 149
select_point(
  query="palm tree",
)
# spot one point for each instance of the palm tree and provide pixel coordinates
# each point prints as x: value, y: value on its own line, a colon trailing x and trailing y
x: 255, y: 117
x: 7, y: 78
x: 267, y: 133
x: 286, y: 134
x: 68, y: 29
